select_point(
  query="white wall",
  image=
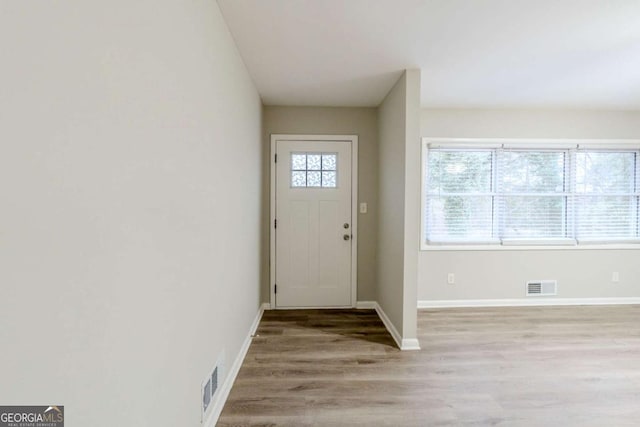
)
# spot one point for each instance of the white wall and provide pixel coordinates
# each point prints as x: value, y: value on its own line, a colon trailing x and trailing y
x: 331, y: 121
x: 129, y: 206
x: 502, y: 274
x: 398, y: 201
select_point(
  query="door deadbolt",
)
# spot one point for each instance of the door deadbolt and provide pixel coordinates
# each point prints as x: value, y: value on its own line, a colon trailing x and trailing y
x: 346, y: 225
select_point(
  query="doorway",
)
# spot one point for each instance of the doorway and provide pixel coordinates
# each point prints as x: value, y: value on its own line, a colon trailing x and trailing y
x: 314, y: 221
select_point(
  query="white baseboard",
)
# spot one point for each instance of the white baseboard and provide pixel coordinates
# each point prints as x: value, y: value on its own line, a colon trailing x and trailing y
x: 225, y: 389
x: 366, y: 305
x: 409, y: 344
x: 403, y: 344
x: 390, y: 327
x: 525, y: 302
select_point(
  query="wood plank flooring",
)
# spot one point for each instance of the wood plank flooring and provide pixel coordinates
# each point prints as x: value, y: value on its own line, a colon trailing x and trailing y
x: 521, y: 366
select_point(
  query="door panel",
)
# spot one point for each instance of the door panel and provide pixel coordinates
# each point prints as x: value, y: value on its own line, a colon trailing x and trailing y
x: 313, y: 204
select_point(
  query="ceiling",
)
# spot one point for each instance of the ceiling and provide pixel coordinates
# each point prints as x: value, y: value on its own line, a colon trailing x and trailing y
x: 472, y: 53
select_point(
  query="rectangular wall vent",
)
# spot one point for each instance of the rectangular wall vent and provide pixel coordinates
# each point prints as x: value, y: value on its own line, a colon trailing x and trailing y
x: 209, y: 386
x: 206, y: 396
x: 537, y: 288
x: 214, y: 381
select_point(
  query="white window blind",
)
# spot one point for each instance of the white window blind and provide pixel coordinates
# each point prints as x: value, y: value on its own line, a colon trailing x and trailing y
x: 606, y: 195
x: 531, y: 196
x: 460, y: 196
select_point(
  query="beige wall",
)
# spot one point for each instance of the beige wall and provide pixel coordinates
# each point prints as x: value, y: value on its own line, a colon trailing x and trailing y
x: 462, y: 123
x: 398, y: 119
x: 130, y: 174
x: 412, y: 204
x: 502, y: 274
x: 341, y: 121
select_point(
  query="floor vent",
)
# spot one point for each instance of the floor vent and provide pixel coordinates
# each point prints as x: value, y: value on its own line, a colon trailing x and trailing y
x: 537, y: 288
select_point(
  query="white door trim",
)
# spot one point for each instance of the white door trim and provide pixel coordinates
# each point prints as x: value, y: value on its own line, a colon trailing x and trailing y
x: 353, y: 139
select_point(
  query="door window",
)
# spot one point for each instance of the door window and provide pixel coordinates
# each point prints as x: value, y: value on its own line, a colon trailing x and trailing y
x: 317, y: 170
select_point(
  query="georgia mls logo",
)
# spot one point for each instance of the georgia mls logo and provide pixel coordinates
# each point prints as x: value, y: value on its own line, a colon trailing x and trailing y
x: 32, y: 416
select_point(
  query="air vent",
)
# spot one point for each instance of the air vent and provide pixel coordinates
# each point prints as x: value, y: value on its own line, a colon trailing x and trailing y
x: 214, y: 381
x: 536, y: 288
x: 209, y: 386
x: 206, y: 396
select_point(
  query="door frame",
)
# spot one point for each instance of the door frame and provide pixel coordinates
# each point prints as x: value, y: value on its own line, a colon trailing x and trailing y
x: 351, y: 139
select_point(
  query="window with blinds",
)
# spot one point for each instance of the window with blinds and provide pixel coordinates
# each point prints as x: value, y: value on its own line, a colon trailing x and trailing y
x: 606, y: 195
x: 531, y: 196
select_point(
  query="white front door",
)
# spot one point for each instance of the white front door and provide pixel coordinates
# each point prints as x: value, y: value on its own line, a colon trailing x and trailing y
x: 314, y: 227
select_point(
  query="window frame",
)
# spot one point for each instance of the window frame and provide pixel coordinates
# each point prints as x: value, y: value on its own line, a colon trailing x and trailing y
x: 569, y: 243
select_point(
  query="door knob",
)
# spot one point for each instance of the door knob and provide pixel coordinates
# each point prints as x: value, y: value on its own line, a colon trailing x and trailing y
x: 346, y: 237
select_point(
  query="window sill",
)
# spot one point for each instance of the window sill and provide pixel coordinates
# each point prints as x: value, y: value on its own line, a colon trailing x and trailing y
x: 546, y: 247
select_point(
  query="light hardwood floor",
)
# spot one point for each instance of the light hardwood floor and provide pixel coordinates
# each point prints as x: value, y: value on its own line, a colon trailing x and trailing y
x: 524, y: 366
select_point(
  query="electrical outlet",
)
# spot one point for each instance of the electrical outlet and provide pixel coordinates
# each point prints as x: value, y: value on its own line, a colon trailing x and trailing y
x: 615, y: 277
x: 451, y: 278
